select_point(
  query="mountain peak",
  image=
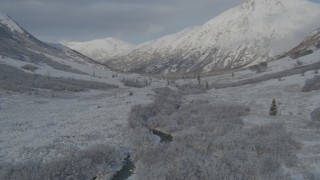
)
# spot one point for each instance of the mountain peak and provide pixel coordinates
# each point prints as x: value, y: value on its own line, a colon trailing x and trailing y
x: 100, y: 49
x: 250, y: 33
x: 8, y: 22
x: 274, y: 3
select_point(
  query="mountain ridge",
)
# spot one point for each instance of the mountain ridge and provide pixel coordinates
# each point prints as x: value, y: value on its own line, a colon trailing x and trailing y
x: 17, y: 43
x: 250, y: 33
x: 8, y: 22
x: 100, y: 49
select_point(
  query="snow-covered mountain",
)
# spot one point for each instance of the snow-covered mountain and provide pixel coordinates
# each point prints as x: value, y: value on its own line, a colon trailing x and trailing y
x: 247, y: 34
x: 308, y: 46
x: 101, y: 49
x: 6, y: 21
x: 17, y: 43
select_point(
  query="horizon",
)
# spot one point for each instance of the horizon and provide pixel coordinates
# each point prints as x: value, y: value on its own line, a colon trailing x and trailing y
x: 138, y: 26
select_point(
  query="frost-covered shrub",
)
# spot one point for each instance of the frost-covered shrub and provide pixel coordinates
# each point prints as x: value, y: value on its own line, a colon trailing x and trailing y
x: 83, y: 164
x: 136, y: 82
x: 166, y: 102
x: 197, y: 113
x: 311, y: 84
x: 139, y: 115
x: 308, y: 175
x: 30, y: 67
x: 315, y: 115
x: 210, y: 142
x: 14, y: 79
x: 274, y: 140
x: 192, y: 89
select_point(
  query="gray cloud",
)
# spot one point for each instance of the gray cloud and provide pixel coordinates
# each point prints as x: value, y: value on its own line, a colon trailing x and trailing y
x: 132, y: 20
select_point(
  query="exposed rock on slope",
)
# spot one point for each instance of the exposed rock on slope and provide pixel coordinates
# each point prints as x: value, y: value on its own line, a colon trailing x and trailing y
x: 247, y: 34
x: 308, y: 46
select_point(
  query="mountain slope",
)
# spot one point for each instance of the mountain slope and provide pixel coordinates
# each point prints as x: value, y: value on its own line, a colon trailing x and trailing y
x: 101, y: 49
x: 249, y: 33
x: 308, y: 46
x: 17, y: 43
x: 28, y: 64
x: 6, y: 21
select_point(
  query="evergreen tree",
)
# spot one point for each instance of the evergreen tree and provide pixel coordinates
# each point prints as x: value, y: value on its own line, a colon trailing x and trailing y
x: 273, y: 109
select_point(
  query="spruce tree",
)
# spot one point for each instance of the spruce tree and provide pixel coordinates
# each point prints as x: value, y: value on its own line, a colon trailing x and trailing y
x: 273, y: 109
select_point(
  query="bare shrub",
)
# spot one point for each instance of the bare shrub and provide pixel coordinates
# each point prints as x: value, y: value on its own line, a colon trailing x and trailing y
x: 311, y: 84
x: 30, y: 67
x: 299, y: 63
x: 259, y: 68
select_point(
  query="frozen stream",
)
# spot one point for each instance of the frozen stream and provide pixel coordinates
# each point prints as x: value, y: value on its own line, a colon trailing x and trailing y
x: 127, y: 171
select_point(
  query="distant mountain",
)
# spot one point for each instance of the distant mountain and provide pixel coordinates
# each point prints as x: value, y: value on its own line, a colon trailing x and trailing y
x: 247, y: 34
x: 28, y: 64
x: 101, y: 49
x: 17, y: 43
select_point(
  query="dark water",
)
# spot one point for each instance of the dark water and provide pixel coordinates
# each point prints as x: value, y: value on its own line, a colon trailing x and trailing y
x: 163, y: 137
x: 126, y: 171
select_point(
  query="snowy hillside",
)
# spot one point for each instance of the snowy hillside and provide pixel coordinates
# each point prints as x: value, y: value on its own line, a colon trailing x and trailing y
x: 101, y: 49
x: 16, y: 43
x: 58, y: 90
x: 308, y: 46
x: 6, y: 21
x: 249, y: 33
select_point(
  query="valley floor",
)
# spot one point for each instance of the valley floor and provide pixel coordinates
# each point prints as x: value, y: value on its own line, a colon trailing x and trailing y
x: 41, y: 125
x: 50, y: 124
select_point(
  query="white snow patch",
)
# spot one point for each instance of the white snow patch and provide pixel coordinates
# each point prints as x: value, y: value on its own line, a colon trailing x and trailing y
x: 8, y: 22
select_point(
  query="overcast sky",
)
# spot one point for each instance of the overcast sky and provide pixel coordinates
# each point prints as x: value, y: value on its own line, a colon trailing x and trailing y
x: 131, y: 20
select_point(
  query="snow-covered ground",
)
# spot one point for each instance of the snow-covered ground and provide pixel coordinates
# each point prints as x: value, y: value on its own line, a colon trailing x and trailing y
x: 5, y: 20
x: 273, y: 67
x: 293, y: 105
x: 33, y: 126
x: 49, y: 124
